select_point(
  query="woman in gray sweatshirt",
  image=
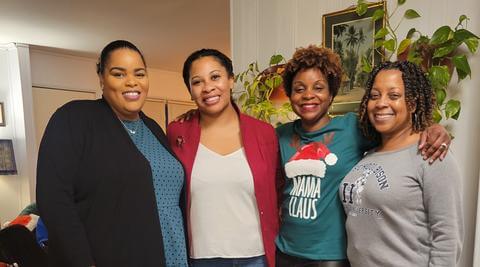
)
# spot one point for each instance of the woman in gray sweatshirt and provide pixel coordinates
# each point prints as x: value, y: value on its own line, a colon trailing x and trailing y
x: 401, y: 210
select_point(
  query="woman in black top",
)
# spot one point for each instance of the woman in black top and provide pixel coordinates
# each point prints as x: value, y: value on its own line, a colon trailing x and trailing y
x: 95, y: 188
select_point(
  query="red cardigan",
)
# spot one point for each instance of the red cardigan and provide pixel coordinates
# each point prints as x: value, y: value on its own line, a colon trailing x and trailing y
x: 261, y: 148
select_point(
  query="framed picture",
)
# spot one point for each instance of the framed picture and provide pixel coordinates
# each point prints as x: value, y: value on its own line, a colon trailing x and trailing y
x: 7, y: 158
x: 2, y: 115
x: 352, y: 38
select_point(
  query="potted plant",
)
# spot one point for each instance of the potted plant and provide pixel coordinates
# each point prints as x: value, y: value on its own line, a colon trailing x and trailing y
x: 261, y: 94
x: 438, y: 55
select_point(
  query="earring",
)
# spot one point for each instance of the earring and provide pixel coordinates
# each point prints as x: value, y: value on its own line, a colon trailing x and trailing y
x: 330, y: 109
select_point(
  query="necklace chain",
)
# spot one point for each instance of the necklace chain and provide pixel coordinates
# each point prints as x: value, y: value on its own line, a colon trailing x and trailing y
x: 134, y: 131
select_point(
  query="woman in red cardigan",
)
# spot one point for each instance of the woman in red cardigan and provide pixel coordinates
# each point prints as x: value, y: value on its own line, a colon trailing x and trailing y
x: 230, y: 161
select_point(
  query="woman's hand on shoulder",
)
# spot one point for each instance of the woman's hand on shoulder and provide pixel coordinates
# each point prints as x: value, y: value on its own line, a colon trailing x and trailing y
x: 186, y: 116
x: 434, y: 143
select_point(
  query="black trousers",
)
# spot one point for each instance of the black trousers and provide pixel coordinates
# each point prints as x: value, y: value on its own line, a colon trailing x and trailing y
x: 284, y: 260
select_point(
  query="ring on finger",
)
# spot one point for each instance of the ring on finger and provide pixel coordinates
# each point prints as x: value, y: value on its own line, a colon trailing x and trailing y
x: 443, y: 146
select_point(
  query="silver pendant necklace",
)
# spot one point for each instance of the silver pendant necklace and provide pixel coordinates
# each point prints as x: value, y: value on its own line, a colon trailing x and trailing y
x: 131, y: 131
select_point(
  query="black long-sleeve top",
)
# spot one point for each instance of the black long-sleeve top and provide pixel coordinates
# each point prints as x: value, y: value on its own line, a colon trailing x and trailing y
x: 95, y: 191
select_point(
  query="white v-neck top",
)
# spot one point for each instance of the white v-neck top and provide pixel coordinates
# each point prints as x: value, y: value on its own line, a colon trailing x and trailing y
x: 223, y: 213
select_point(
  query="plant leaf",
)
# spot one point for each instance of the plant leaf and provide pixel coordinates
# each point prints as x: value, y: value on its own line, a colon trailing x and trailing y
x: 366, y: 65
x: 255, y: 85
x: 440, y: 95
x: 413, y: 55
x: 277, y: 81
x: 463, y: 68
x: 378, y: 14
x: 378, y: 43
x: 404, y: 44
x: 401, y: 2
x: 461, y: 19
x: 251, y: 66
x: 411, y: 32
x: 441, y: 35
x: 439, y: 76
x: 411, y: 14
x: 436, y: 115
x: 456, y: 115
x: 452, y: 108
x: 246, y: 84
x: 462, y: 34
x: 361, y: 9
x: 242, y: 98
x: 445, y: 49
x: 389, y: 45
x: 275, y: 59
x: 423, y: 39
x: 472, y: 44
x: 381, y: 33
x: 269, y: 83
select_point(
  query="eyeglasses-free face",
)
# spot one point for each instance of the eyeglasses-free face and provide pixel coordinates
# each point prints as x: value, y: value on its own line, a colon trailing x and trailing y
x: 387, y: 108
x: 210, y: 85
x: 125, y: 83
x: 311, y: 98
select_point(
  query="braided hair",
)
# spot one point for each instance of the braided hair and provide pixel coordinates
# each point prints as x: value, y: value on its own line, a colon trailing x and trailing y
x: 419, y: 97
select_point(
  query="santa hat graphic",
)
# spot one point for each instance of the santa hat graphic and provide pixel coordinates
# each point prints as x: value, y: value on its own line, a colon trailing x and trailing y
x: 310, y: 159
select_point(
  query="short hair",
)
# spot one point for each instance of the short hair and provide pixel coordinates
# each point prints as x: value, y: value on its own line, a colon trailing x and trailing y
x: 112, y: 46
x: 225, y: 61
x: 418, y: 95
x: 314, y: 57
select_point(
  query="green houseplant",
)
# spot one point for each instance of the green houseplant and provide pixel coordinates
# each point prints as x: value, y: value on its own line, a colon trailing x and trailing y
x: 255, y: 95
x: 438, y: 55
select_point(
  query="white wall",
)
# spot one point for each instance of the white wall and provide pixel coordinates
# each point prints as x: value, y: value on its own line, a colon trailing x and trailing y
x: 57, y: 70
x: 260, y: 28
x: 16, y: 191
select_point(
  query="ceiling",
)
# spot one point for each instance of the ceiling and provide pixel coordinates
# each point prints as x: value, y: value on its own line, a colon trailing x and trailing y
x: 167, y: 31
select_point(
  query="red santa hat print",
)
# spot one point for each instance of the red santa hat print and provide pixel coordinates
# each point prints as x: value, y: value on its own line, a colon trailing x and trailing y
x: 311, y: 159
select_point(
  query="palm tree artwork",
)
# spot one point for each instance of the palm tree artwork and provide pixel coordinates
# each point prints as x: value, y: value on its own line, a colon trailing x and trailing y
x: 352, y: 40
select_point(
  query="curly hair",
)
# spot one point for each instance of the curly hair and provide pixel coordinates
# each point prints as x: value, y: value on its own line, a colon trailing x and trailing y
x: 419, y: 97
x: 324, y: 59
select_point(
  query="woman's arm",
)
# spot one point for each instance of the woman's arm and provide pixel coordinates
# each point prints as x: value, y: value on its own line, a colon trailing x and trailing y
x: 443, y: 202
x: 58, y: 161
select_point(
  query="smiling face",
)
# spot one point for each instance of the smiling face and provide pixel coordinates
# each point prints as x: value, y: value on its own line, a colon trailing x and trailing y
x: 387, y: 108
x: 210, y: 85
x: 125, y: 83
x: 310, y: 98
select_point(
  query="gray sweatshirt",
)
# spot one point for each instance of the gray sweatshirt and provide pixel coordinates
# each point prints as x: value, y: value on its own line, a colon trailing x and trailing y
x: 402, y: 211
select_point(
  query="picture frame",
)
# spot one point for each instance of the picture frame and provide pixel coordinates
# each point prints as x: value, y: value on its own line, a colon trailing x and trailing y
x: 2, y: 115
x: 7, y: 158
x: 352, y: 37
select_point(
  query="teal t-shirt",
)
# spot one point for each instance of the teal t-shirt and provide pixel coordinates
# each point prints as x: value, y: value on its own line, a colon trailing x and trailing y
x: 313, y: 220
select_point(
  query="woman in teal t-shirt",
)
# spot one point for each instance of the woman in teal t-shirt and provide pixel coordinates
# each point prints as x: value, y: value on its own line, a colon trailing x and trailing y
x: 317, y: 152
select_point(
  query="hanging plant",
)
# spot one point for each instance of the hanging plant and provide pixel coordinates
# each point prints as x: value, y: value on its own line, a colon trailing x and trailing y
x: 439, y: 55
